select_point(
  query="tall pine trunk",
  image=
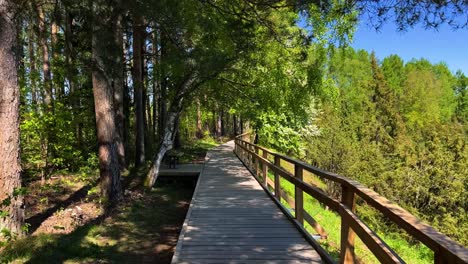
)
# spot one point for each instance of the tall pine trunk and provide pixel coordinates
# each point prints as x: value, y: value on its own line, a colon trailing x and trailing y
x: 70, y: 74
x: 57, y: 75
x: 138, y: 86
x: 47, y: 90
x: 45, y: 58
x: 104, y: 52
x: 119, y: 92
x: 33, y: 74
x: 10, y: 166
x: 126, y: 95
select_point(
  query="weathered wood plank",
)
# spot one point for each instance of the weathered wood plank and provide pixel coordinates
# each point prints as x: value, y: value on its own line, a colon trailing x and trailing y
x: 232, y: 220
x: 226, y: 261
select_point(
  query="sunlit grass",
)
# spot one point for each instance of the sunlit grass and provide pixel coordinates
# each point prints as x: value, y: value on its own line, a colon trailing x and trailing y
x: 331, y: 222
x: 119, y: 238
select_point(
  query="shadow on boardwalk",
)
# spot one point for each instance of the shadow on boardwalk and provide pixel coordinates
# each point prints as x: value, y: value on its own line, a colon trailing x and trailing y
x: 232, y: 220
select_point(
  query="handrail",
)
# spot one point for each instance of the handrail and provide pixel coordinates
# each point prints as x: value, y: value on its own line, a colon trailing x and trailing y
x: 445, y: 250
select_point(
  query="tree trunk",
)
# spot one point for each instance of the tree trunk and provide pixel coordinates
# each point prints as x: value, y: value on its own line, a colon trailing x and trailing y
x: 199, y: 120
x: 166, y: 145
x: 33, y: 74
x: 138, y: 86
x: 222, y: 123
x: 103, y: 52
x: 169, y: 129
x: 235, y: 125
x: 163, y: 98
x: 71, y: 78
x: 57, y: 78
x: 45, y: 59
x: 47, y: 80
x: 146, y: 97
x: 156, y: 84
x: 126, y: 96
x: 10, y: 166
x: 119, y: 92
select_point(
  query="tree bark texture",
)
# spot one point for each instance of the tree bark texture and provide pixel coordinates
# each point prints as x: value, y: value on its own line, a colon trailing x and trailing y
x: 57, y: 75
x: 170, y: 128
x: 33, y: 74
x: 163, y: 95
x: 126, y: 95
x: 45, y: 58
x: 104, y: 51
x: 119, y: 92
x: 138, y: 35
x: 47, y: 88
x: 70, y: 75
x: 156, y: 84
x: 10, y: 166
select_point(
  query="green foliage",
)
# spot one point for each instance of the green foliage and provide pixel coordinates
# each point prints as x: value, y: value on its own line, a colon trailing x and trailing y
x: 399, y: 129
x: 61, y: 151
x: 284, y: 133
x: 461, y: 93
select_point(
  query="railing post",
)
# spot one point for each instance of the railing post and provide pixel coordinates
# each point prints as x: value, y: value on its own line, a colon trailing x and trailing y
x: 348, y: 198
x: 252, y: 156
x: 257, y: 163
x: 235, y: 146
x: 298, y: 195
x: 246, y: 154
x: 252, y: 159
x: 249, y: 156
x: 441, y: 256
x: 242, y: 151
x: 265, y: 168
x: 277, y: 179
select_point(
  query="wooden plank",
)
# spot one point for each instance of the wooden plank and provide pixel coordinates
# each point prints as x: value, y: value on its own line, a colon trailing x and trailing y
x: 315, y: 225
x: 277, y: 180
x: 211, y: 261
x: 347, y: 234
x: 298, y: 195
x: 253, y: 256
x: 377, y: 246
x: 264, y: 167
x: 435, y: 240
x: 232, y: 218
x: 247, y: 248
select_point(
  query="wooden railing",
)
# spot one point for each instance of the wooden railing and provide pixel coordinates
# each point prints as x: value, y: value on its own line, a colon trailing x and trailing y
x: 261, y: 160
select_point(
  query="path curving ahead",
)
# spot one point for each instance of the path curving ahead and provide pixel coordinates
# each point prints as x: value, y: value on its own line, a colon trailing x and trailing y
x: 232, y: 220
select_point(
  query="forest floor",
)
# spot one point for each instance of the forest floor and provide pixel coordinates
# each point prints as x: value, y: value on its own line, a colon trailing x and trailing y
x: 68, y: 224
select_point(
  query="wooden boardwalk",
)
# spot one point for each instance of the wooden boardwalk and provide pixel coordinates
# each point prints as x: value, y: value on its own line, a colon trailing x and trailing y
x: 232, y: 220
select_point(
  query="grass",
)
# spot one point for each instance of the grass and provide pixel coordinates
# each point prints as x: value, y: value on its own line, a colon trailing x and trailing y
x: 411, y: 252
x: 194, y: 151
x: 143, y: 228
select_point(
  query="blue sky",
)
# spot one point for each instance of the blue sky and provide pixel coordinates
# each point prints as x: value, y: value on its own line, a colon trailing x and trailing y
x: 442, y: 45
